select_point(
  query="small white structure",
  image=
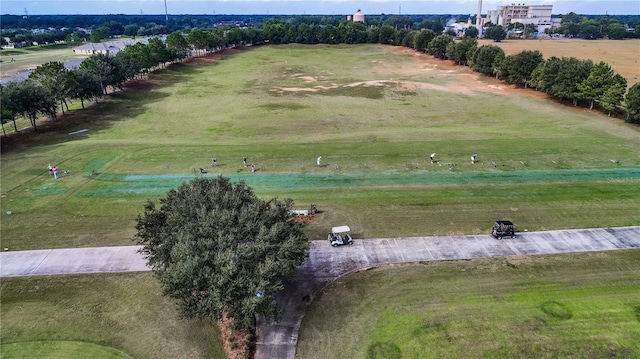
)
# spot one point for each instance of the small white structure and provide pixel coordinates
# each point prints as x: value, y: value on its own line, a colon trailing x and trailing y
x: 358, y: 16
x: 108, y: 47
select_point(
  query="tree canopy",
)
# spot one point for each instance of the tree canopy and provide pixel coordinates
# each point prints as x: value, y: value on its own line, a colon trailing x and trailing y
x: 495, y: 33
x: 517, y: 68
x: 219, y: 249
x: 632, y: 101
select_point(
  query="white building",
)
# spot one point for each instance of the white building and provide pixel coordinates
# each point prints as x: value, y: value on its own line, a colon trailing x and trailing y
x: 539, y: 15
x: 357, y: 17
x: 108, y: 47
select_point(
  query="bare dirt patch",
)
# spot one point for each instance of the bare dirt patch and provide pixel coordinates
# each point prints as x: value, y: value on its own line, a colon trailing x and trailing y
x: 238, y: 344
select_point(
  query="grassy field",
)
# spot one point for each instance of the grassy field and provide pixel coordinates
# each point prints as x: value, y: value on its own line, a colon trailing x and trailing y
x: 29, y: 58
x: 373, y: 113
x: 561, y: 306
x: 623, y: 56
x: 109, y: 316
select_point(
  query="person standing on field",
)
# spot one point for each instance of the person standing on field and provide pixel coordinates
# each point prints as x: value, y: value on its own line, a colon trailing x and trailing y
x: 55, y: 172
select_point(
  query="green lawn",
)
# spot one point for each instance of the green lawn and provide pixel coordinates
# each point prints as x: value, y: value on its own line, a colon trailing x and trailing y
x: 115, y: 315
x: 31, y: 57
x: 374, y: 115
x: 560, y: 306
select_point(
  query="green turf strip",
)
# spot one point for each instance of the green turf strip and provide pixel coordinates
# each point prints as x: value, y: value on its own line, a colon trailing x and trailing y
x: 154, y: 183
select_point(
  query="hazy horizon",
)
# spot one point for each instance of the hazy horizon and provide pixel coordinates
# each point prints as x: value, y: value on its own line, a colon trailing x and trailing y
x: 300, y: 7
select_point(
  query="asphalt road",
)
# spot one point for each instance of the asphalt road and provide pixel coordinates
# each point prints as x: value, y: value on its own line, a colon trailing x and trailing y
x: 326, y: 263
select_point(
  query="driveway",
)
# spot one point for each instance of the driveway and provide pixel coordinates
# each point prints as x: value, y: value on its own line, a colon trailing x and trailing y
x: 325, y: 264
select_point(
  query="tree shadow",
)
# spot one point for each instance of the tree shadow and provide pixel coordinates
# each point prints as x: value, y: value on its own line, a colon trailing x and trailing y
x: 113, y: 108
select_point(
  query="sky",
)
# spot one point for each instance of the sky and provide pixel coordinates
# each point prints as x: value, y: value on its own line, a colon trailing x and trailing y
x: 303, y: 7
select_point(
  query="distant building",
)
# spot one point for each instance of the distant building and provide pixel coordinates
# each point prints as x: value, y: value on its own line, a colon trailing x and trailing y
x: 538, y: 15
x: 108, y: 47
x: 357, y: 17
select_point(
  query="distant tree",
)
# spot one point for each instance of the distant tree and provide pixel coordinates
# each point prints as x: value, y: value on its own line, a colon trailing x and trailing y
x: 632, y: 103
x: 199, y: 40
x: 561, y: 76
x: 600, y: 79
x: 158, y: 51
x: 30, y: 99
x: 387, y: 35
x: 461, y: 50
x: 495, y: 33
x: 616, y: 31
x: 571, y: 18
x: 103, y: 67
x: 131, y: 30
x: 438, y: 46
x: 54, y: 76
x: 450, y: 32
x: 614, y: 95
x: 472, y: 32
x: 529, y: 29
x: 517, y: 68
x: 219, y: 249
x: 177, y: 43
x: 99, y: 34
x: 399, y: 22
x: 433, y: 25
x: 422, y: 39
x: 571, y: 30
x: 590, y: 32
x: 406, y: 37
x: 8, y: 108
x: 87, y: 86
x: 115, y: 28
x: 484, y: 57
x: 536, y: 76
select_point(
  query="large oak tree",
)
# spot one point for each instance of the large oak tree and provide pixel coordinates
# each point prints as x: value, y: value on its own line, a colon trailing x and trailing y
x: 219, y: 249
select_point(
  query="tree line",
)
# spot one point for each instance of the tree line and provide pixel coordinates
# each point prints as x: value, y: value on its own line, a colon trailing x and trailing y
x: 581, y: 82
x: 51, y: 28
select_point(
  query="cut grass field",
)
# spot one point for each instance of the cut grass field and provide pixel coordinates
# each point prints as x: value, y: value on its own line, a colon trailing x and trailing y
x: 109, y: 315
x: 622, y: 55
x: 554, y: 306
x: 29, y: 58
x: 374, y: 114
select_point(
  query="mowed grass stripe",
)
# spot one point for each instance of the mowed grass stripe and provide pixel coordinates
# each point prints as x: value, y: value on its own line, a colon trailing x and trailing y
x: 154, y: 183
x: 283, y: 106
x: 552, y: 306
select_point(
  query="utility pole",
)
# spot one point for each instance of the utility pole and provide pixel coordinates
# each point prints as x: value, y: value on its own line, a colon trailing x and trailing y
x: 166, y: 14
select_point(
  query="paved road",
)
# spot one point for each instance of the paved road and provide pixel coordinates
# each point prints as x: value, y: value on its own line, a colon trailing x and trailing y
x: 325, y: 264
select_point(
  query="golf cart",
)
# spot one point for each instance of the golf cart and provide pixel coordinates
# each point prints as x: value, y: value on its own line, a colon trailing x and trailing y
x: 340, y: 236
x: 503, y: 229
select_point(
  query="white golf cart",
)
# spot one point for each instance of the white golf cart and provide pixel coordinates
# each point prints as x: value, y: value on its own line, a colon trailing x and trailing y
x: 340, y: 236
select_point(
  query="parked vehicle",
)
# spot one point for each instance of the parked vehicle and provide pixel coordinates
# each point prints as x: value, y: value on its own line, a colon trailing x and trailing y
x: 340, y: 236
x: 503, y: 228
